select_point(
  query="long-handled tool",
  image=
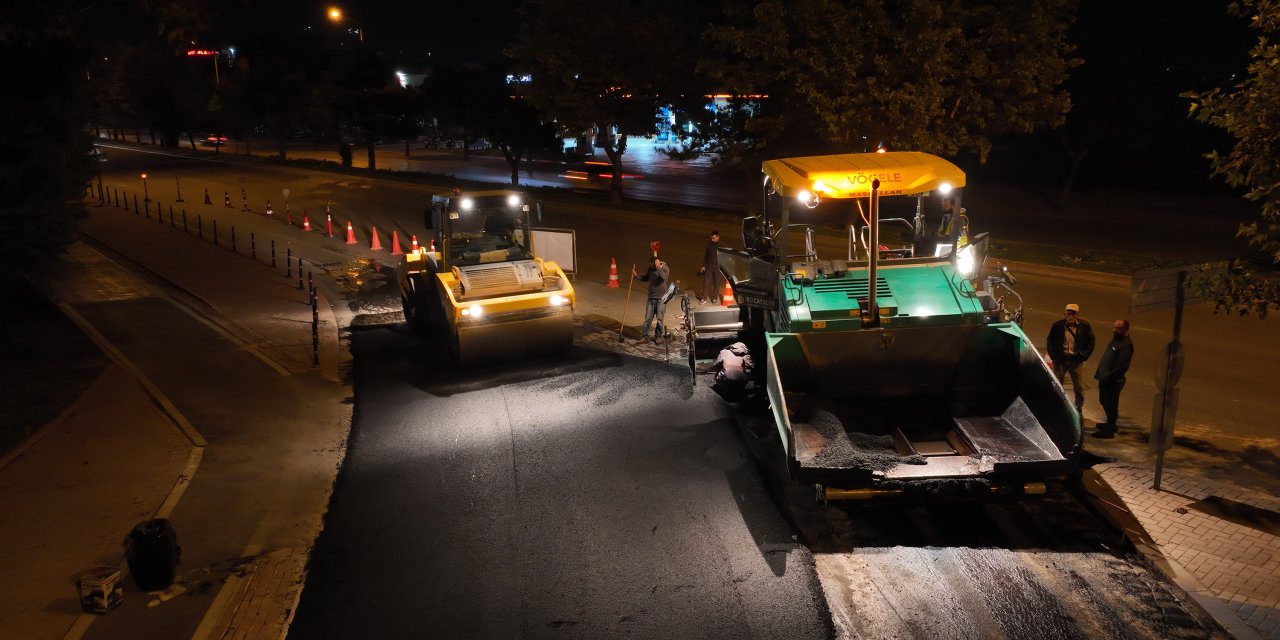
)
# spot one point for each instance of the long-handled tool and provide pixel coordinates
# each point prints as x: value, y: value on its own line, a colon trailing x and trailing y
x: 623, y: 323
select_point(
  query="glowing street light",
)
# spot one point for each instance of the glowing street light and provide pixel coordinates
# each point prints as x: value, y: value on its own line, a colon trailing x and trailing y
x: 337, y: 17
x: 146, y: 195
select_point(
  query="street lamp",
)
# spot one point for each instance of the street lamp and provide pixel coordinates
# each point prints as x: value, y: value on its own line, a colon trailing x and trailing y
x: 146, y: 195
x: 336, y: 16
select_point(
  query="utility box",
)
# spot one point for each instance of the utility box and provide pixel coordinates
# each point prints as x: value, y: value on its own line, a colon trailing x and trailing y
x: 100, y: 589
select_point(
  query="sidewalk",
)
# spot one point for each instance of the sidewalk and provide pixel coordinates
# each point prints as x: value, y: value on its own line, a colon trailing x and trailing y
x: 1217, y: 542
x: 122, y: 453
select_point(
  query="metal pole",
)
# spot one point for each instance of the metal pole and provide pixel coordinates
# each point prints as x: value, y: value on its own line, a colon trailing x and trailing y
x: 171, y: 223
x: 273, y: 253
x: 253, y: 246
x: 184, y: 221
x: 200, y: 225
x: 1179, y: 297
x: 288, y: 263
x: 233, y: 237
x: 215, y: 231
x: 179, y: 183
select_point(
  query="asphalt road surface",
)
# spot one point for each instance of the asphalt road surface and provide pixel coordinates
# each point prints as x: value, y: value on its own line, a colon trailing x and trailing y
x: 596, y: 496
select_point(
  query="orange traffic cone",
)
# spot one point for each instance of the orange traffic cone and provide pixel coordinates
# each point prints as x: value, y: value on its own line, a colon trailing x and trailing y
x: 726, y: 298
x: 206, y: 196
x: 433, y: 246
x: 613, y: 274
x: 329, y: 220
x: 414, y: 245
x: 351, y: 233
x: 395, y: 244
x: 306, y: 222
x: 270, y: 213
x: 375, y: 245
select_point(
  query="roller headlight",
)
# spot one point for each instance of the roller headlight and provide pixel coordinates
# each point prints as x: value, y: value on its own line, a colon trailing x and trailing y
x: 474, y: 311
x: 558, y: 300
x: 944, y: 188
x: 513, y: 200
x: 466, y: 204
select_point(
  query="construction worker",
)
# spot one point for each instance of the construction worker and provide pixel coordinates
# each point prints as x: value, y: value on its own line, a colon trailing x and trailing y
x: 710, y: 271
x: 1069, y: 344
x: 657, y: 277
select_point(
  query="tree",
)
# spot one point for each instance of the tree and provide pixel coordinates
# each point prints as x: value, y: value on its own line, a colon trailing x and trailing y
x: 604, y: 69
x: 943, y: 77
x: 1249, y: 112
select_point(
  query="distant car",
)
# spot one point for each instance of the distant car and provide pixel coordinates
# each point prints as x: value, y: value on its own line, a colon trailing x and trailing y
x: 593, y: 175
x: 212, y: 140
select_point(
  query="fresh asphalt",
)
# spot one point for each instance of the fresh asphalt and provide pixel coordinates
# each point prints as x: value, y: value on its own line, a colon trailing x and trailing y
x: 593, y: 496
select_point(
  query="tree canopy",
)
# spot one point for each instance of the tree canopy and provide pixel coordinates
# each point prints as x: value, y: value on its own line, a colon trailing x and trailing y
x: 1249, y: 111
x: 942, y: 77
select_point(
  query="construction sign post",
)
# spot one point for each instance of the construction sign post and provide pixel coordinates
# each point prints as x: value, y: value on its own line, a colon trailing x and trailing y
x: 1161, y: 289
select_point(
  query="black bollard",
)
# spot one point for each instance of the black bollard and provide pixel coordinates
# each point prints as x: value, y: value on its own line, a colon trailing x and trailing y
x: 184, y: 221
x: 200, y: 225
x: 115, y: 197
x: 136, y: 210
x: 253, y: 246
x: 315, y: 326
x: 299, y: 273
x: 126, y: 202
x: 147, y: 203
x: 288, y: 263
x: 273, y: 253
x: 233, y: 237
x: 215, y: 231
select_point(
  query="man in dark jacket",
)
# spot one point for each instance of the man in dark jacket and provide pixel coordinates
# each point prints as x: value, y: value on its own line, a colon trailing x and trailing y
x: 1070, y: 343
x: 657, y: 277
x: 710, y: 271
x: 1110, y: 376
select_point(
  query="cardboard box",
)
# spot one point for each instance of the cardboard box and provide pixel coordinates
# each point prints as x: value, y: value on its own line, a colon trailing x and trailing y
x: 100, y: 589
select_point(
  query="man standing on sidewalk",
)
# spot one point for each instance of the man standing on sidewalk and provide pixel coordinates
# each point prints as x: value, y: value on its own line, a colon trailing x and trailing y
x: 657, y: 277
x: 1110, y: 376
x: 710, y: 271
x: 1070, y: 343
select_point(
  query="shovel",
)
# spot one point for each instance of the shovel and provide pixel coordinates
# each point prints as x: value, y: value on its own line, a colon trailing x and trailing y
x: 623, y: 322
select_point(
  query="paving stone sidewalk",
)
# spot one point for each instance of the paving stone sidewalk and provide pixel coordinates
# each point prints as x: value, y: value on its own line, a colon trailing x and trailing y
x: 1218, y: 542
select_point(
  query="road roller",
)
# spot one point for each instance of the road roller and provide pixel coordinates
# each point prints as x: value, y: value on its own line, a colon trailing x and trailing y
x: 476, y: 284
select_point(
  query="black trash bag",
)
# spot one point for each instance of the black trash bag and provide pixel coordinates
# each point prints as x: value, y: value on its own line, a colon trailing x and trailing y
x: 153, y: 554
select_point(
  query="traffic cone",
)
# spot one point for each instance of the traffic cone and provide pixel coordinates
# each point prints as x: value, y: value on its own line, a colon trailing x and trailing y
x: 270, y: 213
x: 613, y: 274
x: 329, y: 219
x: 351, y: 233
x: 226, y: 199
x: 726, y: 298
x: 414, y: 245
x: 395, y: 244
x: 288, y: 215
x: 375, y: 245
x: 306, y: 222
x: 206, y: 196
x: 433, y: 246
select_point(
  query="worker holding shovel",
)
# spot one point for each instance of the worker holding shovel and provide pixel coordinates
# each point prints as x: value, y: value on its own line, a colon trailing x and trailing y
x: 657, y: 277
